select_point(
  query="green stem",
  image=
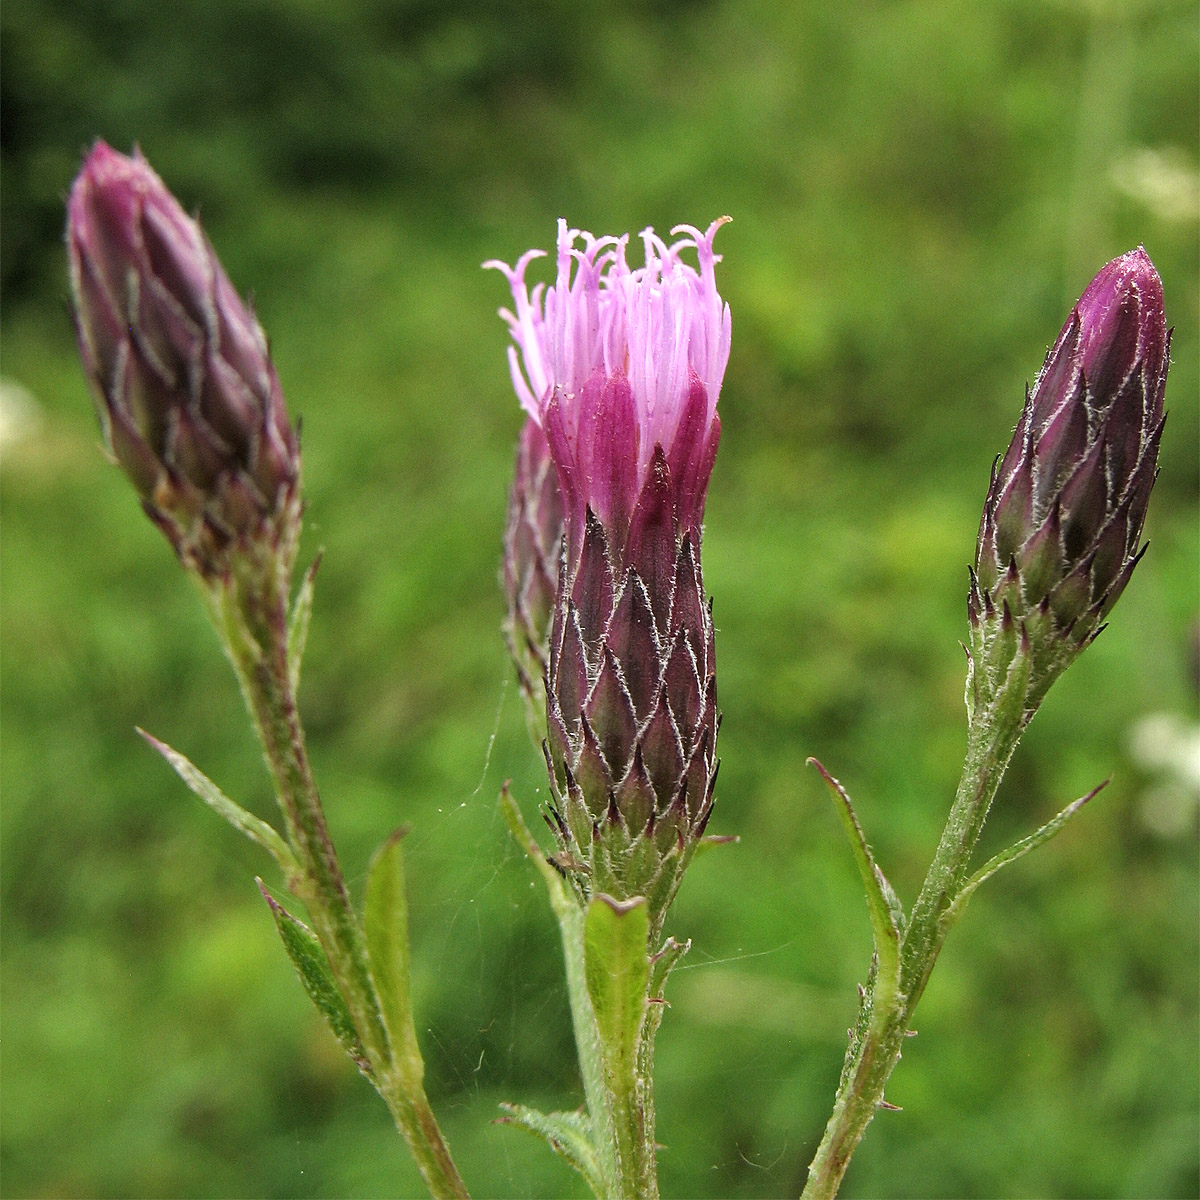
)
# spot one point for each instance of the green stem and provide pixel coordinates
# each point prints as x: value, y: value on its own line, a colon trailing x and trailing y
x: 645, y: 1163
x: 588, y: 1045
x: 618, y: 1086
x: 631, y: 1099
x: 409, y: 1106
x: 255, y: 635
x: 894, y: 993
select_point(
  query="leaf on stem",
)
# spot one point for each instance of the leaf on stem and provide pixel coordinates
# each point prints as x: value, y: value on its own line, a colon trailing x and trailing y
x: 521, y: 835
x: 256, y: 829
x: 568, y: 1134
x: 385, y: 925
x: 886, y: 911
x: 297, y: 637
x: 617, y: 969
x: 313, y: 968
x: 1016, y: 851
x: 663, y: 963
x: 713, y: 840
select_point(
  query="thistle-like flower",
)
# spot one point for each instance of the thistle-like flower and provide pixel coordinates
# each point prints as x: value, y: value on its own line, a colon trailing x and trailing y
x: 188, y: 400
x: 1059, y: 536
x: 533, y: 539
x: 621, y: 369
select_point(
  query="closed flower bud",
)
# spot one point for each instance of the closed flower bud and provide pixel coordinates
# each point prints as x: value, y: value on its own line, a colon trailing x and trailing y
x: 621, y: 369
x: 532, y: 548
x: 188, y: 400
x: 1063, y: 520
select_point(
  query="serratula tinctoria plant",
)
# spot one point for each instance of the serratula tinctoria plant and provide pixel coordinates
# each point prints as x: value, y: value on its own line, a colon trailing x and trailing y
x: 193, y: 413
x: 618, y: 368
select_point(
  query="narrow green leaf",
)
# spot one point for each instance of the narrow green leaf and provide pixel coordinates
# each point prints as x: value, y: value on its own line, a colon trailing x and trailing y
x: 1017, y: 851
x: 713, y: 840
x: 385, y: 924
x: 568, y: 1134
x: 521, y: 835
x: 617, y: 969
x: 663, y: 963
x: 311, y: 965
x: 253, y: 827
x: 298, y: 622
x: 886, y: 911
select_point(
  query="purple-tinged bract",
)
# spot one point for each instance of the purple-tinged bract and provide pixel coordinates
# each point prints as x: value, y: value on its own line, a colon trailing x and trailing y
x: 621, y: 368
x: 188, y: 400
x: 1061, y: 526
x: 533, y: 540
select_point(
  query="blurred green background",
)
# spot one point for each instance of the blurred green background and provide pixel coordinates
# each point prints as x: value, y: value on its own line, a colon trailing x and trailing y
x: 919, y: 192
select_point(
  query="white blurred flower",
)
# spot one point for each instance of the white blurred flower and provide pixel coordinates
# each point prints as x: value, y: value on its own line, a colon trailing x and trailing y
x: 1165, y: 181
x: 20, y: 413
x: 1168, y: 746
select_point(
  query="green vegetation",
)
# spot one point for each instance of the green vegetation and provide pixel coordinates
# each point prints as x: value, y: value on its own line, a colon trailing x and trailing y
x: 919, y: 191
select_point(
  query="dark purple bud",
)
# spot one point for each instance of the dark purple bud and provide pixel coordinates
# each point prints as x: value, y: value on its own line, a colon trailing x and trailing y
x: 1064, y: 513
x: 189, y: 402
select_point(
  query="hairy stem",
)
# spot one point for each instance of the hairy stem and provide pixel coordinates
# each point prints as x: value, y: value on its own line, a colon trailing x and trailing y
x: 588, y: 1046
x: 893, y: 995
x: 253, y: 625
x: 618, y: 1087
x: 630, y: 1088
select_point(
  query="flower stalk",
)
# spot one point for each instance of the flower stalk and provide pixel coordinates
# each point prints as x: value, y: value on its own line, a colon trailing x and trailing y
x: 391, y: 1059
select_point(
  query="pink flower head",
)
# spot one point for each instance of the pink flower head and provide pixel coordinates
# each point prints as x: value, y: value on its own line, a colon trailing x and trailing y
x: 622, y: 369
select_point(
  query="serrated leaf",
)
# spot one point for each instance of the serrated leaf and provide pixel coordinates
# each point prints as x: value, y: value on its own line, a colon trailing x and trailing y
x: 568, y: 1134
x: 253, y: 827
x: 301, y: 614
x: 385, y: 925
x: 313, y: 968
x: 617, y: 969
x: 1017, y: 851
x: 885, y: 909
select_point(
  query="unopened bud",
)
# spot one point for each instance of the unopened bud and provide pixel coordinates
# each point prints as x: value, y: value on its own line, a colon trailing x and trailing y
x: 188, y: 400
x: 1061, y: 526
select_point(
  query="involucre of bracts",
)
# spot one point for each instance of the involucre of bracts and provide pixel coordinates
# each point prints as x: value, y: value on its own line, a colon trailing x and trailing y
x: 1061, y: 527
x: 632, y: 715
x: 188, y: 399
